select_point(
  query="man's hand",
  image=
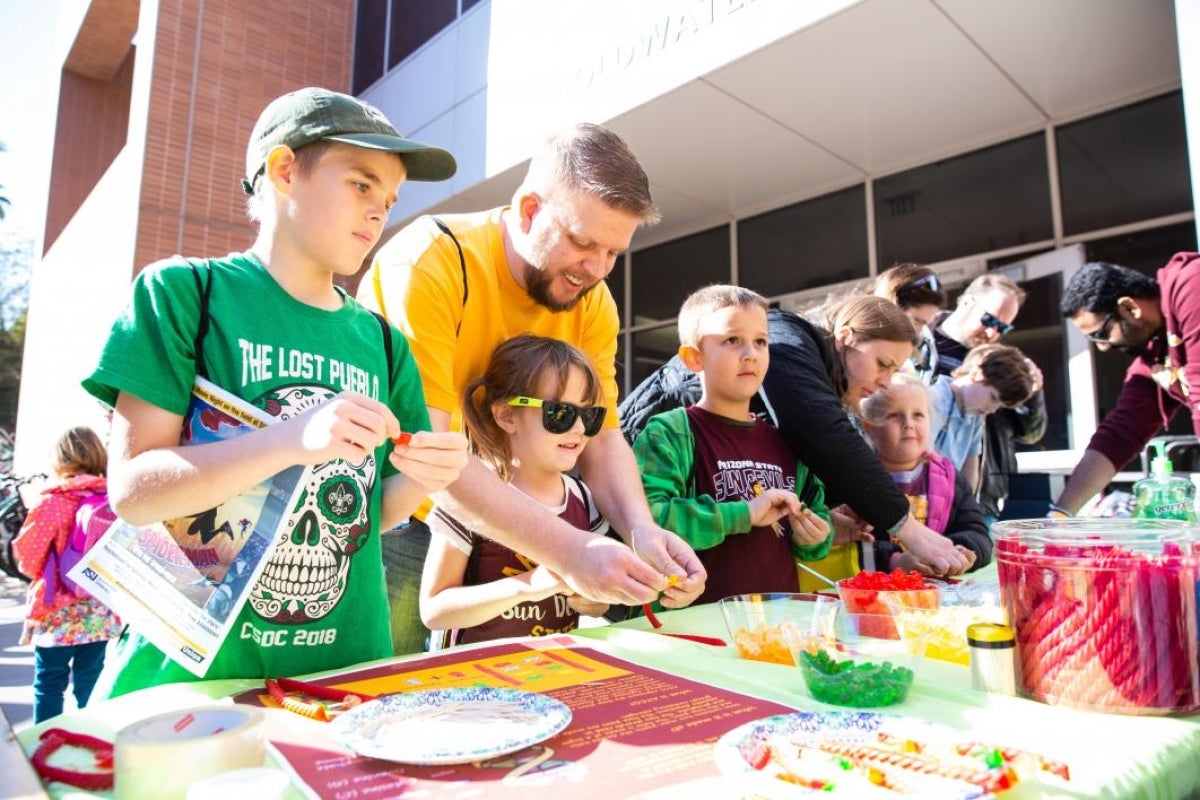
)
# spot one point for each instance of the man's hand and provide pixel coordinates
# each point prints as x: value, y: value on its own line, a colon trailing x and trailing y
x: 608, y: 571
x: 939, y: 555
x: 671, y: 556
x: 586, y: 607
x: 432, y: 460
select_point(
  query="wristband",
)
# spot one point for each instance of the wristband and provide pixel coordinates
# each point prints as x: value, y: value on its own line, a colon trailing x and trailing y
x: 1057, y: 509
x: 892, y: 531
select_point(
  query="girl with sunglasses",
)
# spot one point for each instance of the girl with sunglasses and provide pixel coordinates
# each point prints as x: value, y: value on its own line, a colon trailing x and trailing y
x: 528, y: 418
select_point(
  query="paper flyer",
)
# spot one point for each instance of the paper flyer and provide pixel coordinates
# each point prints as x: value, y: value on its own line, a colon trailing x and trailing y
x: 181, y: 583
x: 635, y: 729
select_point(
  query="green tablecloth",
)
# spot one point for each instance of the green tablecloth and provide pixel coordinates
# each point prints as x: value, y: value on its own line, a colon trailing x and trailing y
x: 1110, y: 756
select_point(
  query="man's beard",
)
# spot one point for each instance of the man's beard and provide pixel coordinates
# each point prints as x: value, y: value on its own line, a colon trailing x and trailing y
x: 537, y: 286
x: 1133, y: 347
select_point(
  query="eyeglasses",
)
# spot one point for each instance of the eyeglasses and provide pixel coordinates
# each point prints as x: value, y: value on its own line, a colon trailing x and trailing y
x: 559, y: 417
x: 989, y: 320
x: 930, y: 280
x: 1102, y: 333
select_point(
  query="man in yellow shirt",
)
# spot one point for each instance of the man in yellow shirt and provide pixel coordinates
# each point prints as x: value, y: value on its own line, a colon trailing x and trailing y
x: 460, y: 285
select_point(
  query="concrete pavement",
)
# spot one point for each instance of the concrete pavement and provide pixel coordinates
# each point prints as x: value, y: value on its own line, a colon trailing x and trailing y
x: 16, y: 661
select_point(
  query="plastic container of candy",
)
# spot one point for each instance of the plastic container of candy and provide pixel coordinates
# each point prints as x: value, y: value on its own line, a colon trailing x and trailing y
x: 857, y: 669
x: 876, y: 594
x: 1104, y: 611
x: 772, y: 627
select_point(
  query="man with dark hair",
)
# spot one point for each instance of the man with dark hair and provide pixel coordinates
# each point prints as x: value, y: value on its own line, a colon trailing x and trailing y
x: 1156, y: 321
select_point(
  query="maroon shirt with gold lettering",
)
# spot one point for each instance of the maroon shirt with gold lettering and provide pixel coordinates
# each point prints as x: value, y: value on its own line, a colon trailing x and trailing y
x: 490, y: 561
x: 731, y: 458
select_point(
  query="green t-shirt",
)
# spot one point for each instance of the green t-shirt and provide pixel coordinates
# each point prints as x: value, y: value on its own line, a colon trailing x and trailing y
x: 320, y: 603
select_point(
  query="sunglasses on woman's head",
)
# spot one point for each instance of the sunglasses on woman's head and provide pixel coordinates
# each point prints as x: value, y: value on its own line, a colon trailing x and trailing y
x: 559, y: 417
x: 930, y: 280
x: 989, y: 320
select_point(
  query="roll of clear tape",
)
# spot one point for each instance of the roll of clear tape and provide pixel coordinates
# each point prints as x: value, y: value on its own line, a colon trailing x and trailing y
x: 161, y: 756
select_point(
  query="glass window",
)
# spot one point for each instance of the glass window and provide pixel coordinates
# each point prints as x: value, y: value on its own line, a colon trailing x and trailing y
x: 468, y: 4
x: 415, y: 22
x: 616, y: 285
x: 652, y: 349
x: 370, y: 27
x: 1125, y: 165
x: 986, y: 200
x: 664, y: 275
x: 813, y: 243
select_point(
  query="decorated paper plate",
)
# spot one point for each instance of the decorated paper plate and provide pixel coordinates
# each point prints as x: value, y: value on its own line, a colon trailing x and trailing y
x: 450, y: 726
x: 863, y: 754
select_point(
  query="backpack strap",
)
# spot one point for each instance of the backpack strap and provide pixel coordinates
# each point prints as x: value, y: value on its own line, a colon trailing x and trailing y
x: 462, y: 263
x: 203, y: 289
x: 387, y: 341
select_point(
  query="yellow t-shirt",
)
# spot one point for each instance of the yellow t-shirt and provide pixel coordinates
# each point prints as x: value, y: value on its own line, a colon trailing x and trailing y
x: 416, y: 281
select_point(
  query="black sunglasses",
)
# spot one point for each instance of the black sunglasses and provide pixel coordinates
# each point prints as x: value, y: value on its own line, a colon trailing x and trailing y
x: 989, y: 320
x: 930, y: 280
x: 559, y: 417
x: 1102, y: 333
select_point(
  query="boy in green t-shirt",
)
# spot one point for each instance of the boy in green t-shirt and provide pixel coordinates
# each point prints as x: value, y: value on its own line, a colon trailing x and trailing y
x: 271, y: 327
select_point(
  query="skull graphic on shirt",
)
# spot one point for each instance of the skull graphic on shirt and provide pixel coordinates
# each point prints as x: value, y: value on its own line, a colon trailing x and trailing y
x: 328, y: 523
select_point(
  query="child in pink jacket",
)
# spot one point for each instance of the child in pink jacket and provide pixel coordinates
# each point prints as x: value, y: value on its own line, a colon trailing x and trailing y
x: 69, y: 633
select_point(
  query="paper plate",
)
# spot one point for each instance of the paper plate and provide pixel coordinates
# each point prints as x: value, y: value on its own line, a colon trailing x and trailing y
x: 732, y: 750
x: 450, y: 726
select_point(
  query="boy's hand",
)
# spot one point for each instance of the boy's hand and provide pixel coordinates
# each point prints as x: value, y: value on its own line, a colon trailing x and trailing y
x: 773, y: 505
x: 431, y: 459
x: 807, y: 527
x: 348, y: 426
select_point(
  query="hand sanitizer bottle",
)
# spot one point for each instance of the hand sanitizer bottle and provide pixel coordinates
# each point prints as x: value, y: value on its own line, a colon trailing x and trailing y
x: 1164, y: 495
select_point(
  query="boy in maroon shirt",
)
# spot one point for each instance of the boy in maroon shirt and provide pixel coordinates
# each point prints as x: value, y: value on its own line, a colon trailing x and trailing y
x: 722, y: 479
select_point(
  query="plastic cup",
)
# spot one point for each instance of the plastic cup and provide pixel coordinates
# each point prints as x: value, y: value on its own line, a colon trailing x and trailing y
x: 774, y: 627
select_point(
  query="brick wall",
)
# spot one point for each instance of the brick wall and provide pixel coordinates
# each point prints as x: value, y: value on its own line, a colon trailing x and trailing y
x: 217, y: 63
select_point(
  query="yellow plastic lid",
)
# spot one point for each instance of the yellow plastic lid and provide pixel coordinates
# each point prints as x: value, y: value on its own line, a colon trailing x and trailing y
x: 989, y: 632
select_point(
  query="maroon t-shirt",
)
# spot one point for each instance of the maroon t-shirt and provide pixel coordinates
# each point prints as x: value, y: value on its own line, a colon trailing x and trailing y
x: 731, y: 457
x: 490, y: 561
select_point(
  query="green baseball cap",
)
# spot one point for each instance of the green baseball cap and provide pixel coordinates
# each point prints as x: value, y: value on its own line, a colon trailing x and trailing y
x: 313, y: 114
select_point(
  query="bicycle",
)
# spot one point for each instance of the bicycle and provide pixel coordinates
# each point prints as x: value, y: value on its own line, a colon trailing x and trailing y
x: 12, y: 516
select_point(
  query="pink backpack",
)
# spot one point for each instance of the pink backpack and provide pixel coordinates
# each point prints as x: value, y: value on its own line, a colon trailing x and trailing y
x: 93, y: 517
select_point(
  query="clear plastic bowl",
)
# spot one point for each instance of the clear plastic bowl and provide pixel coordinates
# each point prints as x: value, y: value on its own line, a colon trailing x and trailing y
x: 859, y: 670
x: 945, y: 627
x: 878, y: 604
x: 773, y: 627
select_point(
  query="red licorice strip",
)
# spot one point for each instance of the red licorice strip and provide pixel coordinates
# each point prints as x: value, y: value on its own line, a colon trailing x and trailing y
x: 318, y: 690
x: 311, y: 710
x: 655, y: 622
x: 54, y: 738
x: 692, y: 637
